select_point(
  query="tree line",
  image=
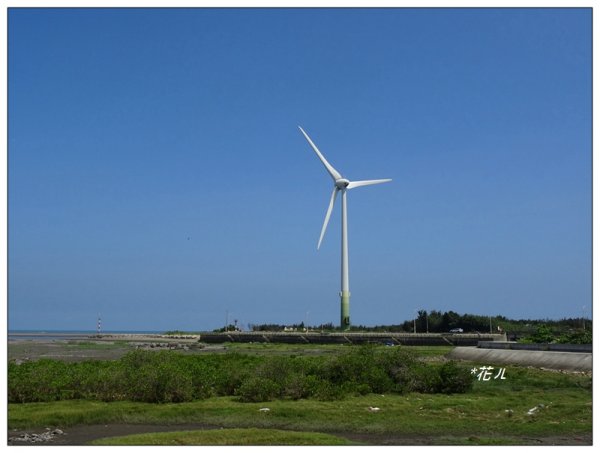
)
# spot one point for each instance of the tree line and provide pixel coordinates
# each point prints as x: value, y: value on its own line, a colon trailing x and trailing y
x: 436, y: 321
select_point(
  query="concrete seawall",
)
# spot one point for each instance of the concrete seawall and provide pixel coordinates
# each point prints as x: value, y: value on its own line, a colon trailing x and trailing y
x: 572, y: 361
x: 407, y: 339
x: 535, y: 346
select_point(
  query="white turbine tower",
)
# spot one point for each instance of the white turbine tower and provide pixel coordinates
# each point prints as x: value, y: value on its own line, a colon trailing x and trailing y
x: 341, y: 184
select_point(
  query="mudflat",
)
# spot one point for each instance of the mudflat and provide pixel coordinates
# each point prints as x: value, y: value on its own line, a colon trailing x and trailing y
x: 84, y: 434
x: 79, y: 347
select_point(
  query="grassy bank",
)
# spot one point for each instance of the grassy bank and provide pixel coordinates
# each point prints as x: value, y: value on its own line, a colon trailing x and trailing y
x: 483, y: 413
x: 236, y: 436
x: 566, y: 400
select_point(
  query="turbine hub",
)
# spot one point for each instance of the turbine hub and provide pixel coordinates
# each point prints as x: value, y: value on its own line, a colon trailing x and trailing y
x: 342, y: 183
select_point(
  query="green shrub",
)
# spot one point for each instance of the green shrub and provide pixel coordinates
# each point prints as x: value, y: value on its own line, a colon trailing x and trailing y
x: 542, y: 334
x: 44, y: 380
x: 231, y: 371
x: 425, y: 379
x: 324, y: 390
x: 166, y: 376
x: 18, y: 387
x: 257, y: 389
x: 579, y: 337
x: 108, y: 383
x: 156, y: 377
x: 277, y: 369
x: 204, y: 378
x: 289, y: 373
x: 391, y: 358
x: 454, y: 378
x: 352, y: 369
x: 295, y: 387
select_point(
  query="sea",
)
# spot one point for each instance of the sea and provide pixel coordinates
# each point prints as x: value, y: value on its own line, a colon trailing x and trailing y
x: 71, y: 334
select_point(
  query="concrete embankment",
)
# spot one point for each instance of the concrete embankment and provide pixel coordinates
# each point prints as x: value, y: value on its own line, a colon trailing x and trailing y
x: 572, y: 361
x: 407, y: 339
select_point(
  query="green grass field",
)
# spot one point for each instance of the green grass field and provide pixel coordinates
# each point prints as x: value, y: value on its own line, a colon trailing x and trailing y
x: 236, y: 437
x: 495, y: 412
x: 320, y: 349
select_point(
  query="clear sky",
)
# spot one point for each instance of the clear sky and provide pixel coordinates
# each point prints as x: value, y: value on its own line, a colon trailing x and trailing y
x: 157, y: 175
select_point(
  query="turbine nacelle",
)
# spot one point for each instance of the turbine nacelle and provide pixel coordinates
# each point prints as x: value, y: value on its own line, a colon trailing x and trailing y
x: 342, y: 183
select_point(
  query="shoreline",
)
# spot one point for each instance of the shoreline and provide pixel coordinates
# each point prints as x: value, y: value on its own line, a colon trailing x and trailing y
x: 48, y: 336
x: 25, y: 347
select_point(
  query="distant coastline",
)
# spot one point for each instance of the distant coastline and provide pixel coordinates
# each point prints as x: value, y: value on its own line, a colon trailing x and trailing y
x: 25, y: 334
x: 44, y: 331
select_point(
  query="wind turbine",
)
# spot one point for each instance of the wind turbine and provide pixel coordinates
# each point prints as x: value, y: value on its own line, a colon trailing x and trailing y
x: 341, y: 184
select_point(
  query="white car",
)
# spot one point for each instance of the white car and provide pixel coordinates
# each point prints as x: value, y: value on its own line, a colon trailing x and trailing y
x: 457, y: 330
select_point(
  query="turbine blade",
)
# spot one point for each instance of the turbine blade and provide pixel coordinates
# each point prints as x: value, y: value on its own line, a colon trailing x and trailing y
x: 354, y: 184
x: 329, y: 209
x: 332, y: 171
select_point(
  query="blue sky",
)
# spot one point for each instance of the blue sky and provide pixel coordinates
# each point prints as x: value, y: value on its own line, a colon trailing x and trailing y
x: 157, y: 175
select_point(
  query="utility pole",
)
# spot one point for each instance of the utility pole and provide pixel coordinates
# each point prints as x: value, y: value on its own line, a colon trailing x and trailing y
x: 415, y: 322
